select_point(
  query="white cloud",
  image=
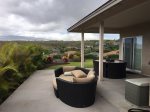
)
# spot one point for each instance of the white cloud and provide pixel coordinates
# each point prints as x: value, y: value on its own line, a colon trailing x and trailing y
x: 44, y: 18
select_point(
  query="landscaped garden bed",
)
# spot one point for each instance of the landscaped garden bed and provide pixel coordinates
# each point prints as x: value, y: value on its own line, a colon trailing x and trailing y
x: 17, y: 63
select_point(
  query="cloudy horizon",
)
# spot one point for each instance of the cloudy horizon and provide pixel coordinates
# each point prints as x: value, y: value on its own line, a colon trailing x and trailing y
x: 46, y: 19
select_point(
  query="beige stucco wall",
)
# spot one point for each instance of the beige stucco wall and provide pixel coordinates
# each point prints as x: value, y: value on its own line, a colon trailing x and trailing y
x: 146, y: 54
x: 144, y: 31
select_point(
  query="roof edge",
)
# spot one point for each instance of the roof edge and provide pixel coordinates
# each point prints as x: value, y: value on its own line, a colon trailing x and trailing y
x: 92, y: 14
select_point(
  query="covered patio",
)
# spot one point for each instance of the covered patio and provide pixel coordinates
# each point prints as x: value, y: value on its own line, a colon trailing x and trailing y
x: 125, y: 17
x: 128, y: 18
x: 36, y: 95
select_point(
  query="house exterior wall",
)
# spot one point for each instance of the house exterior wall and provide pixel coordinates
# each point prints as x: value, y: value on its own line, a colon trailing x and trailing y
x: 146, y: 54
x: 139, y: 30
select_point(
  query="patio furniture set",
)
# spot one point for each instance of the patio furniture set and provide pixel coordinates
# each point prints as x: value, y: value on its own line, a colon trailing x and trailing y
x: 76, y: 86
x: 136, y: 90
x: 111, y: 69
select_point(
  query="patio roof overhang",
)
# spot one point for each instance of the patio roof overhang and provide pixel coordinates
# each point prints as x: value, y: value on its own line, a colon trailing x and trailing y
x: 116, y: 15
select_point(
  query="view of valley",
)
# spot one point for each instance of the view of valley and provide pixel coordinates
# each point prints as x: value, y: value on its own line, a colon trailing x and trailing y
x: 19, y: 59
x: 74, y: 56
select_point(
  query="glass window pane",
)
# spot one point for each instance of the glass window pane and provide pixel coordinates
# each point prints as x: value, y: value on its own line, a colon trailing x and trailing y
x: 137, y: 53
x: 128, y: 51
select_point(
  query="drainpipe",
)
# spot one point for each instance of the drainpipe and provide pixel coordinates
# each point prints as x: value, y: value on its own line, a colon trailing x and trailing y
x: 101, y: 41
x: 82, y: 49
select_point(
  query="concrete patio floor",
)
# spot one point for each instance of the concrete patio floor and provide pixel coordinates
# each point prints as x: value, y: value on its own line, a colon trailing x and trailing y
x: 36, y: 95
x: 113, y: 90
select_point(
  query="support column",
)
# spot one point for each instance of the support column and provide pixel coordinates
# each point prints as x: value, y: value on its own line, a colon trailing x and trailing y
x: 121, y: 48
x: 82, y: 50
x: 101, y: 42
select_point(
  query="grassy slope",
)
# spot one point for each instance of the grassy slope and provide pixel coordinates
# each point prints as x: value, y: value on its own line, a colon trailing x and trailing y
x: 88, y: 64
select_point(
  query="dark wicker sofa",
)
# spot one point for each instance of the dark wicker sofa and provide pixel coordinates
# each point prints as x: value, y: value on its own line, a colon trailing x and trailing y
x: 75, y: 94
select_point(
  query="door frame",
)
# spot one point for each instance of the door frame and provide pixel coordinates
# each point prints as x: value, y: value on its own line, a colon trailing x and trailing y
x: 132, y: 69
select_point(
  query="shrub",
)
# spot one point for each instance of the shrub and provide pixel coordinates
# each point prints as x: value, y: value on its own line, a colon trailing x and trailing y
x: 17, y: 62
x: 57, y: 57
x: 76, y: 58
x: 70, y: 56
x: 90, y: 56
x: 113, y: 57
x: 49, y: 59
x: 38, y: 61
x: 8, y: 78
x: 78, y: 54
x: 65, y: 59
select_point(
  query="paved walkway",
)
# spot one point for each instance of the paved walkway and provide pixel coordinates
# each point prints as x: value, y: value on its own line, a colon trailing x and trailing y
x: 36, y: 95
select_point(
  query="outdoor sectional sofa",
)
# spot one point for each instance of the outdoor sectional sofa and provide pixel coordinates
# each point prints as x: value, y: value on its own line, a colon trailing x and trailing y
x: 75, y: 94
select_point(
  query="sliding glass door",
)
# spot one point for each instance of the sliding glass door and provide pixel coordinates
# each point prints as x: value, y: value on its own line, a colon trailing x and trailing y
x: 133, y: 52
x: 128, y: 51
x: 137, y: 53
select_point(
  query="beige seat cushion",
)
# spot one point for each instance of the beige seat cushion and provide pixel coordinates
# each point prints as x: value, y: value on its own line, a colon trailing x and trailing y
x: 54, y: 83
x: 68, y: 68
x: 66, y: 78
x: 68, y: 73
x: 78, y: 73
x: 83, y: 80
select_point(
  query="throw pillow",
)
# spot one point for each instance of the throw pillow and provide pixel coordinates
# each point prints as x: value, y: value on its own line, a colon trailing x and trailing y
x: 68, y: 74
x: 86, y: 71
x: 91, y: 74
x: 78, y: 73
x: 66, y: 78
